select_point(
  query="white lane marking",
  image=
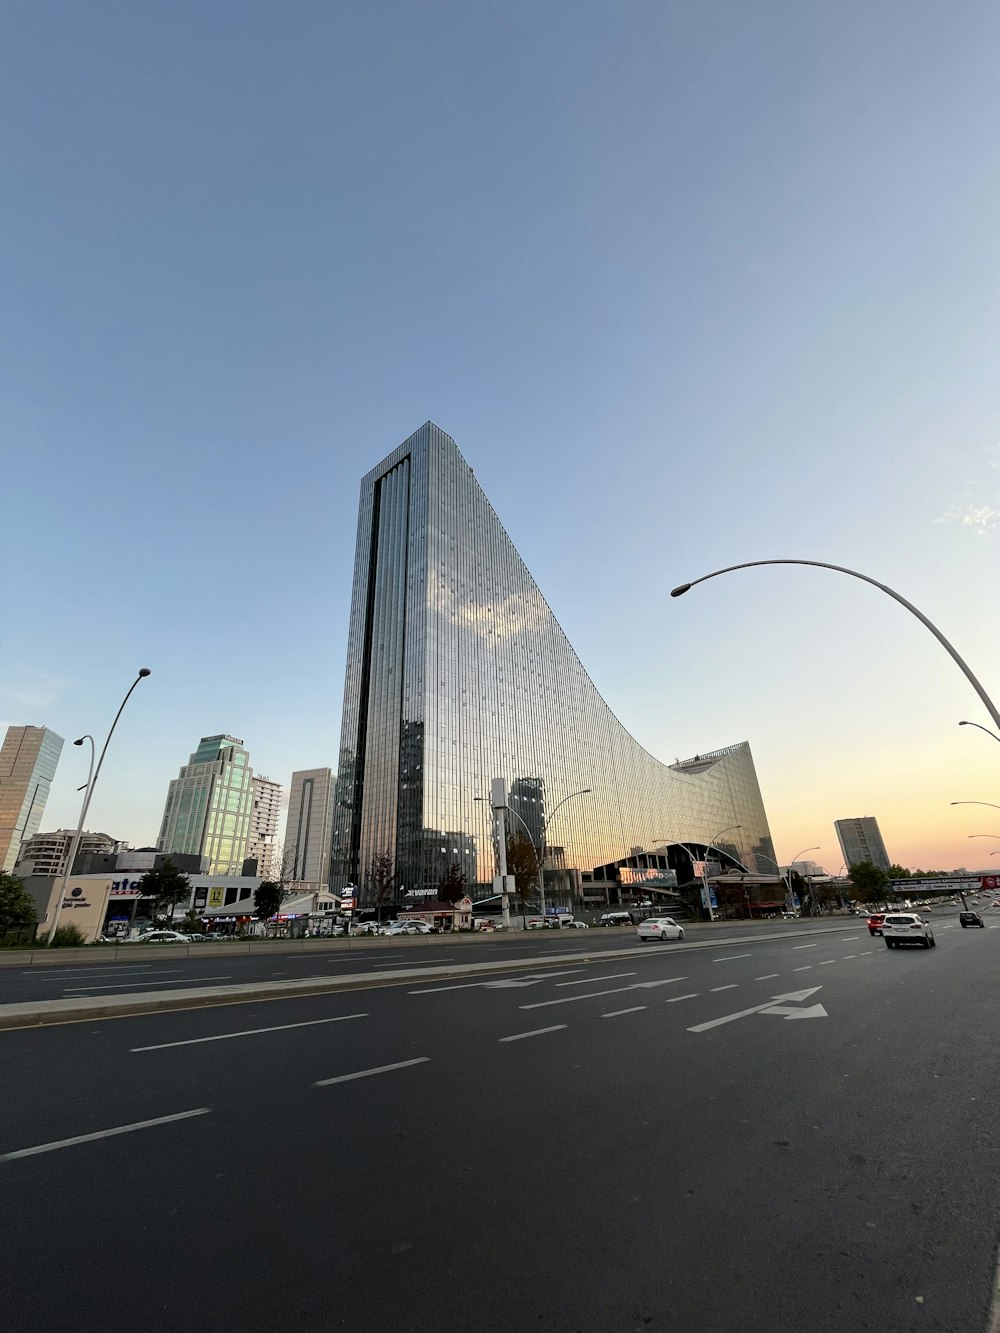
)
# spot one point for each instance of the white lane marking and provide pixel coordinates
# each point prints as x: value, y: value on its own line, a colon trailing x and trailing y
x: 538, y: 1032
x: 807, y: 968
x: 848, y: 956
x: 731, y: 986
x: 768, y: 976
x: 617, y: 1013
x: 756, y: 1009
x: 676, y: 999
x: 409, y: 962
x: 584, y: 981
x: 520, y: 980
x: 827, y: 961
x: 866, y: 953
x: 368, y: 1073
x: 849, y: 939
x: 591, y: 995
x: 102, y: 1134
x: 104, y: 971
x: 805, y: 946
x: 247, y: 1032
x: 731, y: 957
x: 124, y: 985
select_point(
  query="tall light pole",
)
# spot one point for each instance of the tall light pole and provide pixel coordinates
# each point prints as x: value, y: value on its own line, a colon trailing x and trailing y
x: 984, y: 835
x: 791, y: 864
x: 584, y: 791
x: 91, y: 784
x: 981, y: 728
x: 990, y: 706
x: 498, y: 804
x: 989, y: 803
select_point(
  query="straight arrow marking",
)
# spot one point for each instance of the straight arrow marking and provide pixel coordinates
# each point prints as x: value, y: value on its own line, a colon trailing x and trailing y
x: 814, y: 1011
x: 756, y: 1009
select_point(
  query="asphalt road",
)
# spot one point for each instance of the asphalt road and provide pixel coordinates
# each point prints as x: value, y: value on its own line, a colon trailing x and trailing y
x: 580, y: 1148
x: 142, y: 968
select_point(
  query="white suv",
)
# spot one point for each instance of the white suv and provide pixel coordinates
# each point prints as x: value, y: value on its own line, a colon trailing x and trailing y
x: 906, y: 928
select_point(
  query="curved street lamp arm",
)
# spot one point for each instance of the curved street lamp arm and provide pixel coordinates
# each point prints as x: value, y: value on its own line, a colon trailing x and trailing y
x: 984, y: 835
x: 989, y: 803
x: 865, y: 578
x: 981, y: 728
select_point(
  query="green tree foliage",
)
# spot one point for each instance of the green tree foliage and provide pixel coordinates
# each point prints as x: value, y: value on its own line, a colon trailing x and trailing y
x: 452, y: 887
x: 267, y: 899
x: 522, y: 863
x: 16, y: 907
x: 898, y: 872
x: 167, y: 885
x: 870, y: 882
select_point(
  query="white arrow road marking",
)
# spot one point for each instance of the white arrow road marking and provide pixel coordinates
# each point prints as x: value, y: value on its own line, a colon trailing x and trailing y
x: 614, y: 990
x: 814, y: 1011
x: 756, y: 1009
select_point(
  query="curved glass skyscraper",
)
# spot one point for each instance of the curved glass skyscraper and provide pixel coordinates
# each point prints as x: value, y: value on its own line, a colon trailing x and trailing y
x: 458, y: 672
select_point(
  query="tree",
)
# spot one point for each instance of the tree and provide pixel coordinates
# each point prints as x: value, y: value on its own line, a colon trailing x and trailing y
x: 522, y: 863
x: 898, y: 872
x: 16, y: 906
x: 267, y: 898
x: 167, y: 885
x: 381, y: 879
x: 870, y: 881
x: 452, y: 887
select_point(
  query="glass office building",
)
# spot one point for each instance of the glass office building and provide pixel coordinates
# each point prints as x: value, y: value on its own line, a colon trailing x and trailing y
x: 28, y: 760
x: 208, y: 806
x: 458, y: 672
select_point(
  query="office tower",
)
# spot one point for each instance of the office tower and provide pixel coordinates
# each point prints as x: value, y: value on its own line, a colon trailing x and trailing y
x: 207, y: 812
x: 860, y: 840
x: 264, y: 810
x: 28, y: 760
x: 46, y: 853
x: 457, y: 672
x: 309, y: 826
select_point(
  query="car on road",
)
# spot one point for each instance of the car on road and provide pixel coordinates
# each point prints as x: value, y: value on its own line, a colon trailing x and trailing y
x: 971, y: 919
x: 615, y: 919
x: 875, y: 923
x: 659, y: 928
x: 409, y: 928
x: 906, y: 928
x: 163, y: 937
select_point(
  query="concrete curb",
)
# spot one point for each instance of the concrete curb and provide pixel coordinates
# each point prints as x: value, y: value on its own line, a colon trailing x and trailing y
x: 43, y: 1013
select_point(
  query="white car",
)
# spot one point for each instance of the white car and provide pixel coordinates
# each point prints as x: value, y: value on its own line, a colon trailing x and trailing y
x: 163, y: 937
x: 575, y: 925
x: 906, y: 928
x: 409, y: 928
x: 660, y: 928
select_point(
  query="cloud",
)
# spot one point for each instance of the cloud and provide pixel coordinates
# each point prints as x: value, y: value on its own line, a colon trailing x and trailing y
x: 25, y: 692
x: 980, y: 518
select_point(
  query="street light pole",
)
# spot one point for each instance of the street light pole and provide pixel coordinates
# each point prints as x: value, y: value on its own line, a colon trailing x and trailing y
x: 791, y: 864
x: 91, y: 784
x: 981, y: 728
x: 545, y: 828
x: 963, y: 666
x: 989, y: 803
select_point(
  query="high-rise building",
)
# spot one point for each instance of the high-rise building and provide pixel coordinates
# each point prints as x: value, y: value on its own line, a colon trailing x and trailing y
x: 208, y: 806
x: 458, y: 672
x: 860, y: 840
x: 46, y: 853
x: 263, y: 840
x: 309, y: 826
x: 28, y: 760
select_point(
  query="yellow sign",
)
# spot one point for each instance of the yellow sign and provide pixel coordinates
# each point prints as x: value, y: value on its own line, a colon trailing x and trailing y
x: 216, y: 898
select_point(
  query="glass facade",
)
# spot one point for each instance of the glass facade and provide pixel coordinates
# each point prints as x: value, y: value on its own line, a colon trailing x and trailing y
x: 207, y: 812
x: 458, y: 672
x: 28, y: 761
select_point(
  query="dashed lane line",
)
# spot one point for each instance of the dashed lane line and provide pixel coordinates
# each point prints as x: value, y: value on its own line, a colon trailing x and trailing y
x: 732, y: 957
x: 370, y: 1073
x: 102, y: 1134
x: 538, y: 1032
x: 807, y: 968
x: 768, y: 977
x: 805, y: 946
x: 617, y: 1013
x: 584, y: 981
x: 827, y: 961
x: 731, y: 986
x: 676, y: 999
x: 247, y: 1032
x: 145, y: 981
x: 848, y: 956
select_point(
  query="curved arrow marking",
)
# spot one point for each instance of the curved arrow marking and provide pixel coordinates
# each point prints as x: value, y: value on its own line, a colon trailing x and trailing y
x: 773, y: 1005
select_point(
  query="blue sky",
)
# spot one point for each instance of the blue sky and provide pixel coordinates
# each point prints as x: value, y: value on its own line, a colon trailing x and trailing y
x: 689, y: 283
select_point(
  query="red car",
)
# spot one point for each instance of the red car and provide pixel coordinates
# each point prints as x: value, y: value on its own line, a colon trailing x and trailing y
x: 875, y: 923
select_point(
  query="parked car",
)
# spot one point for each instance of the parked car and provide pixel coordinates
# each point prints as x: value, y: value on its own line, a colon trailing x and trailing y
x: 615, y: 919
x: 659, y: 928
x: 575, y: 925
x: 163, y: 937
x: 409, y: 928
x: 971, y: 919
x: 875, y: 923
x: 906, y: 928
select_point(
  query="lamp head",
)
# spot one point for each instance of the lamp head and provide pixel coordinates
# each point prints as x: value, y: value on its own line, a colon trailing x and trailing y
x: 79, y: 742
x: 144, y: 671
x: 680, y: 590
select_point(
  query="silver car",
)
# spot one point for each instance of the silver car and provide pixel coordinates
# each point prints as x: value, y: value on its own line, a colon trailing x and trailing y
x: 659, y: 928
